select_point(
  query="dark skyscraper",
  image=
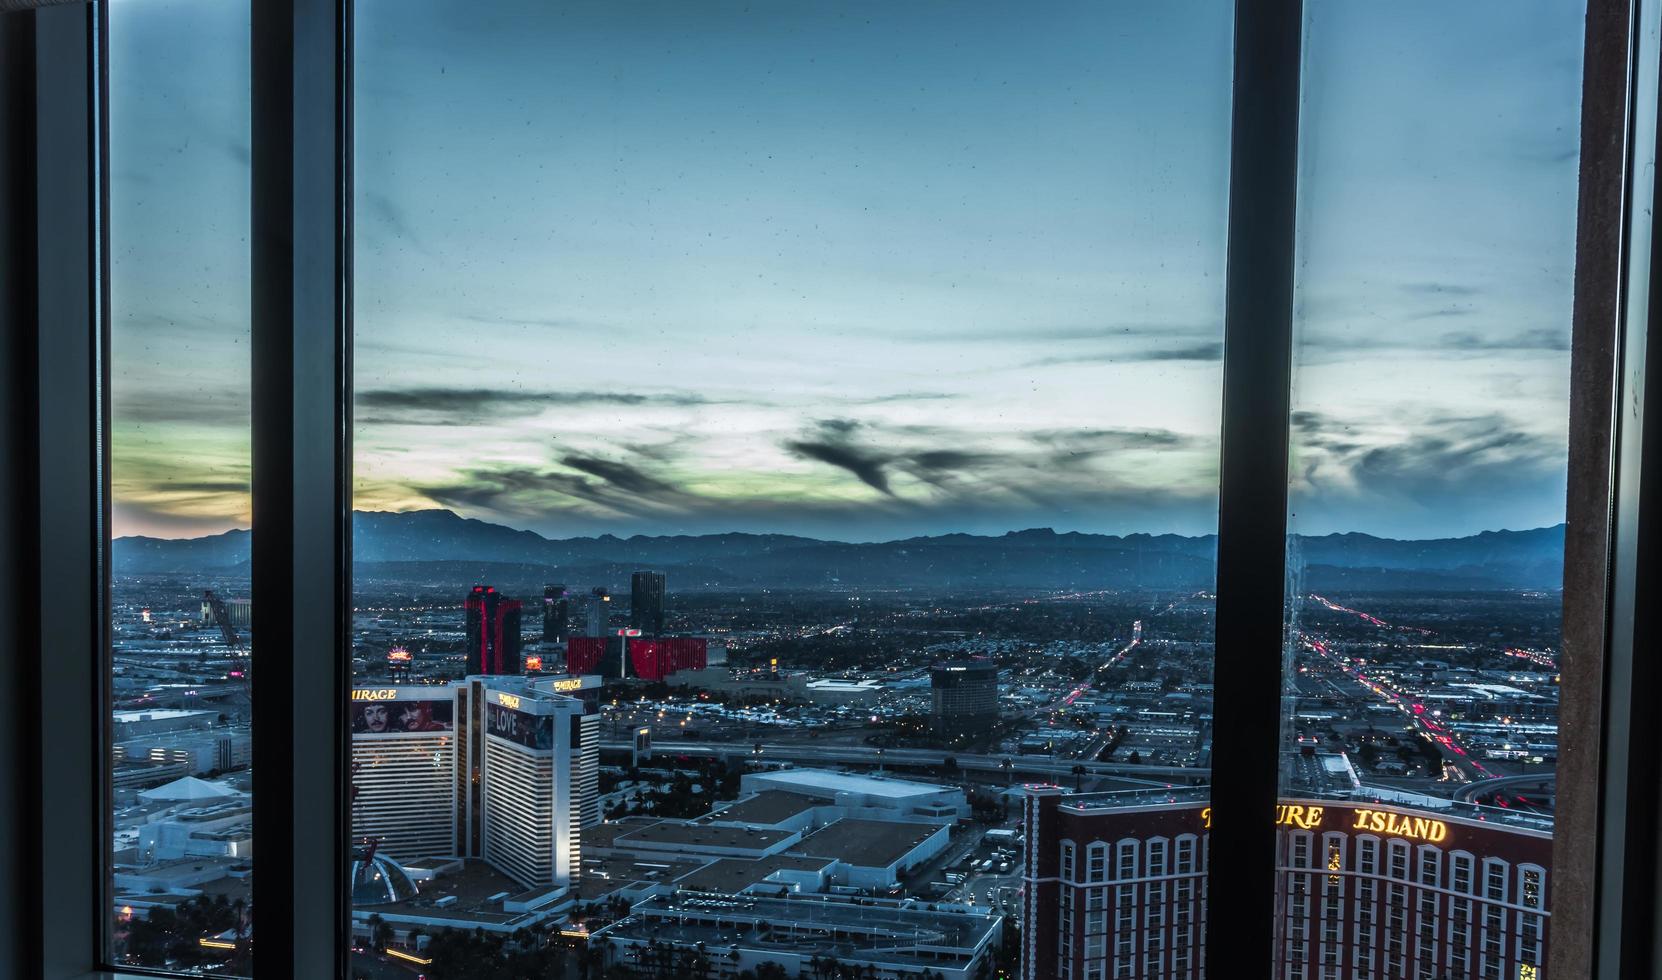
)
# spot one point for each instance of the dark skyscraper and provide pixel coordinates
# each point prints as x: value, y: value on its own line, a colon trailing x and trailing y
x: 492, y: 632
x: 964, y: 697
x: 556, y: 613
x: 646, y: 602
x: 597, y: 612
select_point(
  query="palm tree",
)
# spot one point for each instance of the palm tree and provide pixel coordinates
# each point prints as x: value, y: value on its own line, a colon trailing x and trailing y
x: 1079, y: 778
x: 380, y: 934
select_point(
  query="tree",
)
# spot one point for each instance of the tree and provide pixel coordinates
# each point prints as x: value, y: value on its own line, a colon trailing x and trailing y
x: 1079, y: 778
x: 380, y: 934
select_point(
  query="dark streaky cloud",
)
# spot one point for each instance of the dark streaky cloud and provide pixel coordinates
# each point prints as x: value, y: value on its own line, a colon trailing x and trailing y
x: 474, y: 406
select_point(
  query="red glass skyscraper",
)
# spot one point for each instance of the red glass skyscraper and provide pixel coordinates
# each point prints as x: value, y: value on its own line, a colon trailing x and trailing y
x: 492, y: 632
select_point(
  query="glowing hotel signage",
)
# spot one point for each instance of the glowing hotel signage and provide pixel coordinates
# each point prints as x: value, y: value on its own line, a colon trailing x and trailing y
x: 1377, y: 821
x: 568, y: 684
x: 375, y: 694
x: 508, y: 700
x: 1419, y: 828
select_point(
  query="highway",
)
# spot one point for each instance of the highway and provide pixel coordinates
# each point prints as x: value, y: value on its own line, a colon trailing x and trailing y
x: 1448, y: 747
x: 1471, y: 791
x: 1055, y: 770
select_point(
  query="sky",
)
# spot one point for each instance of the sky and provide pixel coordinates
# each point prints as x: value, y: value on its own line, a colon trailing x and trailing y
x: 864, y: 270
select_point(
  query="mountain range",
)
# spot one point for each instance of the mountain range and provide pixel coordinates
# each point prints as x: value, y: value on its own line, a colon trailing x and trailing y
x: 439, y: 545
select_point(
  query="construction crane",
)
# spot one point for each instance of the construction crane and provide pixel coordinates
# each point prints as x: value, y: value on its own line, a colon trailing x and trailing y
x: 228, y: 633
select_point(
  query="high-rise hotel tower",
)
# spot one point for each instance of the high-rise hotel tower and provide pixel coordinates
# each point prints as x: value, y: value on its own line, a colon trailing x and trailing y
x: 492, y: 632
x: 500, y: 768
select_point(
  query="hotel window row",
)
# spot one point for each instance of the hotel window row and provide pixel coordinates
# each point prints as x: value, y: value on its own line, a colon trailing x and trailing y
x: 1367, y: 906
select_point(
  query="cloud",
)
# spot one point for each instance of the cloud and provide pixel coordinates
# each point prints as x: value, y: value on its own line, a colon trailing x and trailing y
x: 128, y: 517
x: 629, y: 479
x: 960, y: 465
x: 1426, y: 457
x: 239, y: 152
x: 390, y: 215
x: 476, y: 406
x: 587, y: 482
x: 1065, y: 334
x: 1074, y: 442
x: 561, y: 323
x: 1436, y: 314
x: 204, y: 405
x: 906, y: 396
x: 1524, y: 340
x: 1439, y: 289
x: 1210, y: 352
x: 1344, y: 345
x: 866, y: 466
x: 159, y: 490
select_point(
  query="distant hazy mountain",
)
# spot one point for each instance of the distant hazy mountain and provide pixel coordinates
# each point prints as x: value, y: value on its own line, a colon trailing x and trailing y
x: 438, y: 544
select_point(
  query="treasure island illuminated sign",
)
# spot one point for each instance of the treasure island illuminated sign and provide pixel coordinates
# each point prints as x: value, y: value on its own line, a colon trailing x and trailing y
x: 1378, y: 821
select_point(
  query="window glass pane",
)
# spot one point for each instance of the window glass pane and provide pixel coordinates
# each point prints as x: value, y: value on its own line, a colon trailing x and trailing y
x: 179, y: 447
x: 1429, y: 439
x: 782, y: 433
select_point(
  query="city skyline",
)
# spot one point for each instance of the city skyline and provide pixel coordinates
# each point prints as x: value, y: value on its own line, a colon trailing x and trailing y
x: 871, y: 278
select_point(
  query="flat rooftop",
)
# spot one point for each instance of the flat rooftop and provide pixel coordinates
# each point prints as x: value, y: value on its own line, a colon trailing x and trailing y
x: 831, y: 782
x: 159, y: 714
x: 1138, y: 798
x: 734, y: 875
x: 770, y: 806
x: 605, y: 834
x: 672, y: 833
x: 873, y: 931
x: 472, y: 885
x: 604, y: 875
x: 867, y: 843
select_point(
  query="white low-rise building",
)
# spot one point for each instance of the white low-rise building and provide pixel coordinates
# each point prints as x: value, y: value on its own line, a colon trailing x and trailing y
x: 862, y: 795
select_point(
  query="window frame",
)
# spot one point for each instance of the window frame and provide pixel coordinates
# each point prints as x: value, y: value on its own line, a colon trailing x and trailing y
x: 54, y: 907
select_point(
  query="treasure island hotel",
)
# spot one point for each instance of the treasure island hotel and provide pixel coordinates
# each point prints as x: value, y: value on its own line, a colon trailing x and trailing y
x: 1115, y: 889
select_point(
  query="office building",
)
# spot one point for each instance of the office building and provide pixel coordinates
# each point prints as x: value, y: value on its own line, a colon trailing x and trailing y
x: 597, y: 612
x: 492, y: 632
x: 238, y: 613
x: 126, y: 724
x: 1114, y: 886
x: 200, y: 750
x: 556, y: 613
x: 646, y: 603
x: 964, y: 698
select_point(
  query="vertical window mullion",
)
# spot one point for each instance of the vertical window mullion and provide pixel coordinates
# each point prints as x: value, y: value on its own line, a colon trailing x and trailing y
x: 1625, y: 941
x: 301, y: 368
x: 1252, y: 512
x: 1605, y: 156
x: 64, y: 653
